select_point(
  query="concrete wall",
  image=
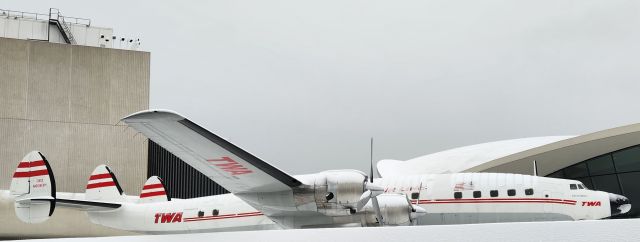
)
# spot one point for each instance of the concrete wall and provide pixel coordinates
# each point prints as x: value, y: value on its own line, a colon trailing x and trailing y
x: 65, y: 101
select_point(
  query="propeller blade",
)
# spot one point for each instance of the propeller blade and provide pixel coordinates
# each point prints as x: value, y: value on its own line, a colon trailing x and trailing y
x: 417, y: 211
x: 364, y: 199
x: 376, y: 208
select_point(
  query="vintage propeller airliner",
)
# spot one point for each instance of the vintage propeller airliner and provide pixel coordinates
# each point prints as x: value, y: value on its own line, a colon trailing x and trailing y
x: 264, y: 197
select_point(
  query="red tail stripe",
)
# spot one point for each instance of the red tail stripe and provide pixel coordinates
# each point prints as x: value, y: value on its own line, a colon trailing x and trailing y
x: 27, y: 164
x: 152, y: 194
x: 30, y: 173
x: 152, y: 186
x: 99, y: 176
x: 101, y: 184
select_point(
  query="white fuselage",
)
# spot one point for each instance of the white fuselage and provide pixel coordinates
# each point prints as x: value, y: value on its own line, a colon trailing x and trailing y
x: 447, y: 198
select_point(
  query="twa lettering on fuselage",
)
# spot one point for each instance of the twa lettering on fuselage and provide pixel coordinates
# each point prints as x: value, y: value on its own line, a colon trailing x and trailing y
x: 164, y: 218
x: 229, y: 165
x: 591, y: 204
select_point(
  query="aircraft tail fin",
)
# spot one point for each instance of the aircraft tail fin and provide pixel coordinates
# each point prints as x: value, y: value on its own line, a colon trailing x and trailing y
x: 34, y: 189
x: 103, y: 186
x: 154, y: 191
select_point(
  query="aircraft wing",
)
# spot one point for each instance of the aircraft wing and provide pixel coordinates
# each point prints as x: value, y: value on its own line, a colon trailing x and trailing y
x: 223, y: 162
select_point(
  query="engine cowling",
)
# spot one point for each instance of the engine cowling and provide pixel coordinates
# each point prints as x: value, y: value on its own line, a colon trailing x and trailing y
x: 396, y: 210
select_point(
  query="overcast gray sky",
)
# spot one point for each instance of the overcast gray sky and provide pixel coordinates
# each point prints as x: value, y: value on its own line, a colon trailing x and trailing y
x: 304, y: 84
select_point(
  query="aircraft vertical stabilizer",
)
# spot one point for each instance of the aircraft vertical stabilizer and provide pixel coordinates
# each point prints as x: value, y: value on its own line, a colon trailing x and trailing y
x: 34, y: 188
x: 154, y: 191
x: 103, y: 186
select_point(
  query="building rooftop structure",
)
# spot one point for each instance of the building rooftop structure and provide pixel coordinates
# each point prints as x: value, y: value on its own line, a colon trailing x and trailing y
x: 57, y: 28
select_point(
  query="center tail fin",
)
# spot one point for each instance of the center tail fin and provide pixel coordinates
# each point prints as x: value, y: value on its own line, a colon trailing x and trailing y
x: 154, y: 191
x: 34, y: 189
x: 103, y: 186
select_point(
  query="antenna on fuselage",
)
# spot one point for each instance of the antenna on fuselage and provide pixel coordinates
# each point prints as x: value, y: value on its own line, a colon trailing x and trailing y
x: 535, y: 168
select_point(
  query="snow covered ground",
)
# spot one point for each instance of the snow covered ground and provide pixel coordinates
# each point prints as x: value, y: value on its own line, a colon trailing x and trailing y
x: 597, y: 230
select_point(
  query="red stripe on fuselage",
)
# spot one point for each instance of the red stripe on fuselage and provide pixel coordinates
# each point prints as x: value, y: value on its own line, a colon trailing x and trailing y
x: 152, y: 186
x: 99, y: 176
x: 496, y: 200
x: 21, y: 174
x: 101, y: 184
x: 152, y: 194
x: 239, y: 215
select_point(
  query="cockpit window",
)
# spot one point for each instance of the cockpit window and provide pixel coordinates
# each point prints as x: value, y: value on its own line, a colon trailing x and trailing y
x: 573, y: 186
x: 580, y: 186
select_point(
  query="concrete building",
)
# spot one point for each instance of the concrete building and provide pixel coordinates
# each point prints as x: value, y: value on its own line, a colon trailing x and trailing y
x: 66, y: 100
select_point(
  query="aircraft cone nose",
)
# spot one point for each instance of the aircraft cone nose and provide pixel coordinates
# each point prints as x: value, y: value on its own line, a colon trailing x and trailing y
x: 619, y: 204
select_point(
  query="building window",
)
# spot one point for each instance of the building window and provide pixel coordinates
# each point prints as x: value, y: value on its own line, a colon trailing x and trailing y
x: 415, y: 195
x: 457, y: 195
x: 511, y: 192
x: 477, y: 194
x: 601, y: 165
x: 627, y: 160
x: 493, y: 193
x: 573, y: 186
x: 528, y: 191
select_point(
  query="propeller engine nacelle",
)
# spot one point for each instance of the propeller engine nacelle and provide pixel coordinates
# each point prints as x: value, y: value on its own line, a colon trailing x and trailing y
x: 396, y: 209
x: 339, y: 192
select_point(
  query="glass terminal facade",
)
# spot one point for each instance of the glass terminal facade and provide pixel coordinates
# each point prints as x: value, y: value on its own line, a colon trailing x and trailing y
x: 616, y: 172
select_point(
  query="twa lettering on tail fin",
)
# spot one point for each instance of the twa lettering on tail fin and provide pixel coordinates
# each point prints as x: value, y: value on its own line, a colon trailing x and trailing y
x: 103, y: 186
x: 154, y: 191
x: 34, y: 188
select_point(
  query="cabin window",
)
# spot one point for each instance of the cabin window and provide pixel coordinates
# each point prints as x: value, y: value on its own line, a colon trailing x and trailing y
x: 580, y: 186
x: 477, y: 194
x: 493, y: 193
x: 415, y: 195
x: 215, y: 212
x: 573, y: 187
x: 528, y: 191
x: 457, y: 195
x: 511, y: 192
x: 200, y: 214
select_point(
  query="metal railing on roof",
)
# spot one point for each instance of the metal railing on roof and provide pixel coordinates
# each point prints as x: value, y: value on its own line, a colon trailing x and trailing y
x: 42, y: 16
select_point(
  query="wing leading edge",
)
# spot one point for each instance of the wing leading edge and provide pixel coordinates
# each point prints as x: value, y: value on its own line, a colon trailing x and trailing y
x: 223, y: 162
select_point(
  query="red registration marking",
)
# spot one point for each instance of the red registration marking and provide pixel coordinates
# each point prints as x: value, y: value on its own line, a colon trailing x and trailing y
x: 229, y: 165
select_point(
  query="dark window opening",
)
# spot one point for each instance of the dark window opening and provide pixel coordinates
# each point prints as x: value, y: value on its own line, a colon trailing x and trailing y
x: 329, y: 196
x: 415, y: 195
x: 215, y: 212
x: 511, y: 192
x: 457, y: 195
x: 200, y: 213
x: 528, y: 191
x: 573, y: 186
x: 580, y: 186
x: 493, y: 193
x: 477, y: 194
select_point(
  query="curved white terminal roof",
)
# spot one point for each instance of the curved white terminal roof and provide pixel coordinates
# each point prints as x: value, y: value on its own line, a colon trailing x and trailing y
x: 462, y: 158
x: 517, y: 155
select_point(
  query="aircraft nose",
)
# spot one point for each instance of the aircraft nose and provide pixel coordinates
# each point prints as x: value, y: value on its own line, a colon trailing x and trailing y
x: 619, y: 204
